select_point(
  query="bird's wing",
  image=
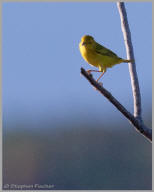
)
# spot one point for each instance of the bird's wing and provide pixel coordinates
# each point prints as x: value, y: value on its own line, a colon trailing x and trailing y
x: 104, y: 51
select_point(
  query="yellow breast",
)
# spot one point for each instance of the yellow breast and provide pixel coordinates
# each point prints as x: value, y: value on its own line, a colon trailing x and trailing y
x: 89, y: 55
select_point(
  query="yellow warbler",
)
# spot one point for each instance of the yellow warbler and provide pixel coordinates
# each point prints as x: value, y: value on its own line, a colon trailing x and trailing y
x: 98, y: 55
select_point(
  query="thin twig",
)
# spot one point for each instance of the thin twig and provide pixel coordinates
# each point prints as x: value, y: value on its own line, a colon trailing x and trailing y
x: 138, y: 124
x: 135, y: 119
x: 130, y: 55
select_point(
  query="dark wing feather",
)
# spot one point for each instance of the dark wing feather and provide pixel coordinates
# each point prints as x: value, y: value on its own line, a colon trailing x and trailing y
x: 104, y: 51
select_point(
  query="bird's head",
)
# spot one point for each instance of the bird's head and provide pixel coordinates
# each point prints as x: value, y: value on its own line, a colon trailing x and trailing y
x: 86, y: 40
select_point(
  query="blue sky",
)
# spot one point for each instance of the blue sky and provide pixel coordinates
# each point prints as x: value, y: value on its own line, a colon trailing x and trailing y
x: 41, y: 61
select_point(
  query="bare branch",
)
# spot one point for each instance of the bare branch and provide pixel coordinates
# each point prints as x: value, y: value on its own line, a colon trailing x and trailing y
x: 130, y: 55
x: 138, y: 124
x: 135, y: 119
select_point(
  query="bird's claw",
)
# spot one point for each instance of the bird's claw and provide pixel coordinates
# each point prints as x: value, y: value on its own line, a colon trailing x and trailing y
x: 88, y: 71
x: 100, y: 83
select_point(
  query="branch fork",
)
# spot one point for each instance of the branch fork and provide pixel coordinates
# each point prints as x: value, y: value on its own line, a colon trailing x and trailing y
x: 136, y: 118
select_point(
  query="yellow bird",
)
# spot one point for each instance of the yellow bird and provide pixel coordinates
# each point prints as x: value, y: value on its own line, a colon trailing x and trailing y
x: 98, y: 55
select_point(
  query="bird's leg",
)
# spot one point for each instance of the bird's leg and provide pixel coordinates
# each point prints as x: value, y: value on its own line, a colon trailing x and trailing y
x: 89, y: 71
x: 100, y: 76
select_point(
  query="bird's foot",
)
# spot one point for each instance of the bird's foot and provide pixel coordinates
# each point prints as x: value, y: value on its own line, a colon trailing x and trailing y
x: 100, y: 83
x: 89, y: 72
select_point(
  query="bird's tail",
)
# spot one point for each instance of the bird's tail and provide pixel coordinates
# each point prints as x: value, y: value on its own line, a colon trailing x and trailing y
x: 127, y: 61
